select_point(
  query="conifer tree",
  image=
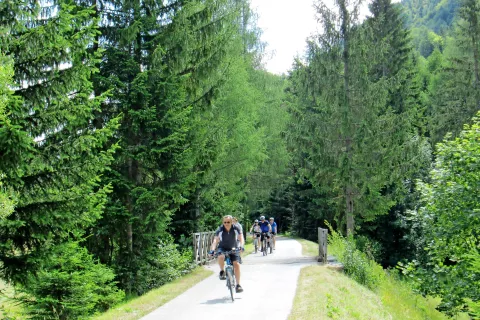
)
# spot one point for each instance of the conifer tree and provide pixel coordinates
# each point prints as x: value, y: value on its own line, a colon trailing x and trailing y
x: 51, y: 154
x: 352, y: 139
x: 163, y: 64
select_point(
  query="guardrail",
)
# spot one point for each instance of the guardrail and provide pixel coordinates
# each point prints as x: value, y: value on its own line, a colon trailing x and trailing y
x: 201, y: 245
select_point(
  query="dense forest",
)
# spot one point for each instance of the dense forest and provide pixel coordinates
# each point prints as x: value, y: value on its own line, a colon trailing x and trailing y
x: 125, y: 126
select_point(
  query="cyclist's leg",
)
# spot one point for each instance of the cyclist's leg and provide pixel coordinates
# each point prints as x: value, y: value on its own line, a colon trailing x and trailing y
x: 236, y: 266
x: 221, y: 264
x: 274, y: 240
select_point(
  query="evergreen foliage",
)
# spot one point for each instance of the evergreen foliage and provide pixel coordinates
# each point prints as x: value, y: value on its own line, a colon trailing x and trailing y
x: 125, y: 126
x: 353, y: 139
x: 455, y: 95
x: 52, y: 156
x: 7, y: 201
x: 436, y: 15
x: 70, y: 285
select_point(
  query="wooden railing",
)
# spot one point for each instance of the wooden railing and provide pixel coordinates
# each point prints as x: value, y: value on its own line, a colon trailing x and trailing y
x: 201, y: 245
x: 322, y: 245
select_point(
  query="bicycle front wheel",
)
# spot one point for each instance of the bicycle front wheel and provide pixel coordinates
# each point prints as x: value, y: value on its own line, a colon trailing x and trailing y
x: 231, y: 283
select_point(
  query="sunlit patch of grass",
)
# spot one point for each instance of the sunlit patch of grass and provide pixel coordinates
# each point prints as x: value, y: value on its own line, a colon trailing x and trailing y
x: 309, y: 248
x: 140, y: 306
x: 327, y: 294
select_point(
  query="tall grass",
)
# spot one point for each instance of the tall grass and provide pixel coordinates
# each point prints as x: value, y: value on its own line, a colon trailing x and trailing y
x: 396, y: 294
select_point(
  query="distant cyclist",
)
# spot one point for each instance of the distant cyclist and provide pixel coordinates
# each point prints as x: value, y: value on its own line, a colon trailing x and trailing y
x: 266, y: 228
x: 257, y: 232
x: 226, y: 237
x: 274, y: 231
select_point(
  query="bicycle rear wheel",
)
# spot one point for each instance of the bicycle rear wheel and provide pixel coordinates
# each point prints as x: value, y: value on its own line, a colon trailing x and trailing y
x: 231, y: 283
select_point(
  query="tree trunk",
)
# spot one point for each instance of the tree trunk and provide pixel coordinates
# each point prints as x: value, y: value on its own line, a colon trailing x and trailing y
x: 345, y: 33
x: 349, y: 210
x: 475, y: 60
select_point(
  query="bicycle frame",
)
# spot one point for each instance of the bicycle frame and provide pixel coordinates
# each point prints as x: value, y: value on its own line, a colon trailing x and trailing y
x: 230, y: 272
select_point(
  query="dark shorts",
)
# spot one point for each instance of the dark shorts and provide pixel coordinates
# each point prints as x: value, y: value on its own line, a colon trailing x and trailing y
x: 263, y: 235
x: 257, y: 234
x: 234, y: 256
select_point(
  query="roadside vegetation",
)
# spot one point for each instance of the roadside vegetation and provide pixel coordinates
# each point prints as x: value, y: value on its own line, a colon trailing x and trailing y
x: 364, y: 291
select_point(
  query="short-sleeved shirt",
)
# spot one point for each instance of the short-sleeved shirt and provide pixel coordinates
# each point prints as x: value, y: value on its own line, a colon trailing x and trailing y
x: 256, y: 228
x: 239, y: 226
x: 274, y: 227
x: 264, y: 226
x: 228, y: 239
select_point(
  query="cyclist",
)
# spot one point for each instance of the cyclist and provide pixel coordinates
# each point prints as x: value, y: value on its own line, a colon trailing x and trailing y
x: 237, y: 224
x: 266, y: 228
x: 257, y: 231
x: 226, y: 237
x: 274, y: 230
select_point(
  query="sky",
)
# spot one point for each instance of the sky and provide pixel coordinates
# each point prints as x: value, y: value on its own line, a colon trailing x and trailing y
x: 286, y: 24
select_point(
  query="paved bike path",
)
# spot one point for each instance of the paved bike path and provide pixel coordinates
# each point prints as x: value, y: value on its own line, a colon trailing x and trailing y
x: 269, y: 285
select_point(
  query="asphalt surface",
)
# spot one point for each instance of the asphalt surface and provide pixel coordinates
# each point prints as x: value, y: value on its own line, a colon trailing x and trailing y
x: 269, y: 285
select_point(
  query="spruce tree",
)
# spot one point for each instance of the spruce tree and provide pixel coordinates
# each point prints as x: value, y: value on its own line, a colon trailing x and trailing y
x: 163, y: 64
x: 52, y: 156
x: 353, y: 141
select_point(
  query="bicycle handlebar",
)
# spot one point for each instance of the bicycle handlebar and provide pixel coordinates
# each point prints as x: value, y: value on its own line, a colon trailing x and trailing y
x: 236, y: 250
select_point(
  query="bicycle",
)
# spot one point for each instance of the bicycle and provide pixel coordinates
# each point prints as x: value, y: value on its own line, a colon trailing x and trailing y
x: 229, y: 270
x: 264, y: 244
x: 270, y: 243
x: 256, y: 240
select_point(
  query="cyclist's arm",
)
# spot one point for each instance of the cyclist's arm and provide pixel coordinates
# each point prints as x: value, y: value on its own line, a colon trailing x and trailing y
x: 269, y: 228
x: 215, y: 241
x: 242, y: 241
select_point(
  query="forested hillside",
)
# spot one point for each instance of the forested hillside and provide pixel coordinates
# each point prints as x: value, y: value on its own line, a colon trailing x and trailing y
x: 125, y: 126
x: 429, y: 21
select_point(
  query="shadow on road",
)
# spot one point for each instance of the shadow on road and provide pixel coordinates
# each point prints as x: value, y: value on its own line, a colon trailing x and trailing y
x: 220, y: 301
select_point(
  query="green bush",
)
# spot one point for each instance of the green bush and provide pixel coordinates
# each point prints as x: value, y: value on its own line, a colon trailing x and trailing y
x: 166, y: 264
x: 356, y: 263
x: 70, y: 285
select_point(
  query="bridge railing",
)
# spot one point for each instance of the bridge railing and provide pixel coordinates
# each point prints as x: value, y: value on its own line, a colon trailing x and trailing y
x: 322, y: 245
x: 201, y: 245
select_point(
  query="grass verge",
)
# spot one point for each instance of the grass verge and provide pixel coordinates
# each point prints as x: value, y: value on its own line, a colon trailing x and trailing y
x: 326, y: 294
x: 140, y: 306
x: 309, y: 248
